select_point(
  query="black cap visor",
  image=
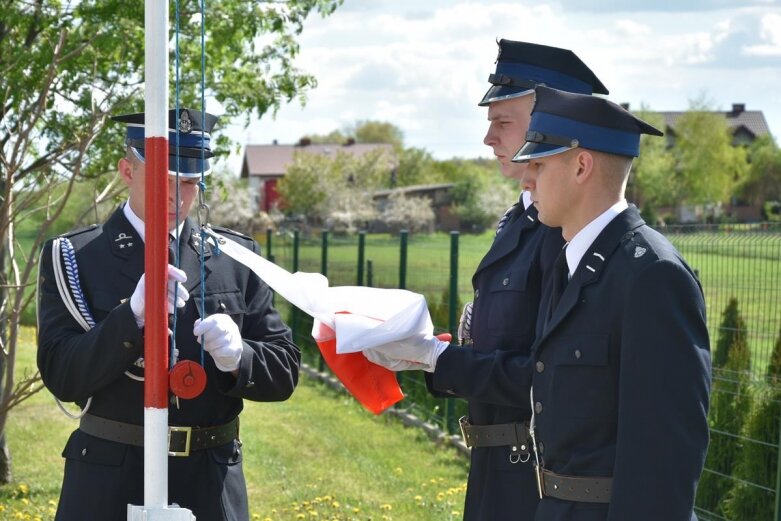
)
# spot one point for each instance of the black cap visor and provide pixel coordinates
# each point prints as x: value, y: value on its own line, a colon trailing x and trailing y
x: 542, y: 145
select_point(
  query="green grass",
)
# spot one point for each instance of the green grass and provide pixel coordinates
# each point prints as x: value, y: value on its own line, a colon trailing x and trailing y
x: 319, y: 452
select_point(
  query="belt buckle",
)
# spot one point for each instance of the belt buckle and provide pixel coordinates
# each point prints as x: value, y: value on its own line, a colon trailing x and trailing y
x: 187, y: 437
x: 464, y: 422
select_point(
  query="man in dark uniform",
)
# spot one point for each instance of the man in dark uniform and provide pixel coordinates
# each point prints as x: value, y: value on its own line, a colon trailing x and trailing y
x: 91, y: 338
x: 508, y: 281
x: 619, y: 375
x: 621, y: 384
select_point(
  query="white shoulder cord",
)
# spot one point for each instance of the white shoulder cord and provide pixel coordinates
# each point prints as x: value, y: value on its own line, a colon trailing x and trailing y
x: 85, y: 321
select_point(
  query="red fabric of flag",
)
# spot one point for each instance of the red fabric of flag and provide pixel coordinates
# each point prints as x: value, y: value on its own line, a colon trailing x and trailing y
x: 375, y: 387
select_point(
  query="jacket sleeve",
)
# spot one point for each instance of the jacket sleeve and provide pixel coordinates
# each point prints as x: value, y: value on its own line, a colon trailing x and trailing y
x: 664, y: 383
x: 270, y: 361
x: 498, y: 377
x: 75, y: 363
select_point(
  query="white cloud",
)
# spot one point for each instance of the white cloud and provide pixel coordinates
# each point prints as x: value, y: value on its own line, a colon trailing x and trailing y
x: 423, y: 65
x: 632, y: 29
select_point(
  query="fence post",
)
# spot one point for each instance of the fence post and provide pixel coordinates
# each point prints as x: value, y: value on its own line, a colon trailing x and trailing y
x: 361, y: 255
x: 324, y: 271
x: 294, y: 326
x: 777, y: 517
x: 450, y: 421
x: 296, y: 243
x: 269, y: 235
x: 370, y: 273
x: 403, y: 235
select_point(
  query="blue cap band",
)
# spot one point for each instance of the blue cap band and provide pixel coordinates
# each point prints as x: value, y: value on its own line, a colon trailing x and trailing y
x: 184, y: 166
x: 195, y: 140
x: 549, y: 77
x: 593, y: 137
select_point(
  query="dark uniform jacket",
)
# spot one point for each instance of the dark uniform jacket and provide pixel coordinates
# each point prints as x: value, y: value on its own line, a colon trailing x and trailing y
x: 507, y: 290
x: 102, y: 477
x: 621, y: 378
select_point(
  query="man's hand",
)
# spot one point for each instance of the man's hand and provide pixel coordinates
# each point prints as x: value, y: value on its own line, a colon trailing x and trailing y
x: 221, y: 339
x: 177, y: 295
x: 415, y: 352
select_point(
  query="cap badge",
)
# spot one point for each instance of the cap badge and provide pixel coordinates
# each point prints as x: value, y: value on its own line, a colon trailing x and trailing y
x: 185, y: 123
x: 639, y: 251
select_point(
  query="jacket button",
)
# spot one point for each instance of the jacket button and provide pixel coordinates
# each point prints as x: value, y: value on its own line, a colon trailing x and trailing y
x: 128, y: 344
x: 222, y: 307
x: 541, y: 447
x: 538, y: 408
x: 540, y: 367
x: 477, y: 293
x: 506, y: 281
x: 578, y: 354
x: 84, y: 451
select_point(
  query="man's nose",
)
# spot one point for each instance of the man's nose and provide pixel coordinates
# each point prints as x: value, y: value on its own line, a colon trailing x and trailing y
x: 528, y: 177
x: 489, y: 138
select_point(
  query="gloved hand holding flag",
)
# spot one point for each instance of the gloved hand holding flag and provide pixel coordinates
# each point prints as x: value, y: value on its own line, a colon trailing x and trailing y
x: 348, y: 320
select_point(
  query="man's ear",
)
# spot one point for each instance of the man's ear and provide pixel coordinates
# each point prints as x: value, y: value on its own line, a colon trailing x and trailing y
x: 125, y: 168
x: 585, y: 166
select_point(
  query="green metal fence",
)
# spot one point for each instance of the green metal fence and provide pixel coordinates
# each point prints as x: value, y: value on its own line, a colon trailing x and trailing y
x: 739, y: 267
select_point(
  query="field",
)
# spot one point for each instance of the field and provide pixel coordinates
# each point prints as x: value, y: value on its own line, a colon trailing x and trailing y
x: 317, y: 456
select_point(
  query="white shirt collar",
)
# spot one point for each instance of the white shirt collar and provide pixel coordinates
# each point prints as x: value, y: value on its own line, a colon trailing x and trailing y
x: 583, y: 240
x: 138, y: 225
x: 526, y: 197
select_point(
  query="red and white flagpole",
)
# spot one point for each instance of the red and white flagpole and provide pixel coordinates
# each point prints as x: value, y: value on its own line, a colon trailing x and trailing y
x: 156, y: 255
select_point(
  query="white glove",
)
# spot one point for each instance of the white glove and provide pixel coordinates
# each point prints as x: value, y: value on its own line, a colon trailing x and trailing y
x: 415, y: 352
x: 221, y: 339
x: 175, y: 279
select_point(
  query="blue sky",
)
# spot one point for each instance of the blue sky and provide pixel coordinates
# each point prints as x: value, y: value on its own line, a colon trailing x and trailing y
x: 423, y: 65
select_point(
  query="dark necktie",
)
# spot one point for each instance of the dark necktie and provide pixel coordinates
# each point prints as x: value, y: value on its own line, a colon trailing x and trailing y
x: 560, y: 280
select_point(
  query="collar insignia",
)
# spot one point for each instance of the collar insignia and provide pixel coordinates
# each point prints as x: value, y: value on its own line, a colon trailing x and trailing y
x: 639, y: 251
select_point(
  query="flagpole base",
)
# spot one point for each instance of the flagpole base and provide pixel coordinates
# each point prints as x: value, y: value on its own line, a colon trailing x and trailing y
x: 172, y: 513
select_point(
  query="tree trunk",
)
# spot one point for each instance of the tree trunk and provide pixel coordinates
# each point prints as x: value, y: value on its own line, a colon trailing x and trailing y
x: 5, y: 454
x: 5, y: 462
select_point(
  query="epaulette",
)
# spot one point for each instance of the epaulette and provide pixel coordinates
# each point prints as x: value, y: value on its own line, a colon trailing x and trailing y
x: 79, y: 231
x: 637, y: 248
x: 227, y: 231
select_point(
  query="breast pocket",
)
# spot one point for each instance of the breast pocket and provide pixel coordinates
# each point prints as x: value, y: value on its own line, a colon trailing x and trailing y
x: 230, y: 302
x: 511, y: 307
x: 583, y: 384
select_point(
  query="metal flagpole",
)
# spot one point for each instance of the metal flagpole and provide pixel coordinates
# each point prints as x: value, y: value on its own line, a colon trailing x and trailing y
x: 155, y: 506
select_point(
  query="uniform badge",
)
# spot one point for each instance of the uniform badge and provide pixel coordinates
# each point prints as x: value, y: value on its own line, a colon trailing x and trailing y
x: 639, y: 251
x: 124, y: 240
x: 185, y: 123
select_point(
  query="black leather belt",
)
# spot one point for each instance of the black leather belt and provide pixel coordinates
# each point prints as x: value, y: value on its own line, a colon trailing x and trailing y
x: 513, y: 435
x: 181, y: 440
x: 584, y: 489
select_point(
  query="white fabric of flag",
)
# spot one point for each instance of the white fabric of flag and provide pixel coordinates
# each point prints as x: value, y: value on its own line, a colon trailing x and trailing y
x: 361, y: 317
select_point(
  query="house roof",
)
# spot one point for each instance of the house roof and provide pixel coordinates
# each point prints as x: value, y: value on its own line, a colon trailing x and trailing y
x: 752, y: 120
x: 412, y: 189
x: 273, y: 160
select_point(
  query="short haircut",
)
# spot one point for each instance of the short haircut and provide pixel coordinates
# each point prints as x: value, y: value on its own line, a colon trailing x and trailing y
x: 614, y: 167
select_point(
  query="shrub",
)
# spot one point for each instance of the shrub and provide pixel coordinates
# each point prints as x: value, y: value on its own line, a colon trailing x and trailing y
x: 732, y: 332
x: 759, y: 458
x: 730, y: 405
